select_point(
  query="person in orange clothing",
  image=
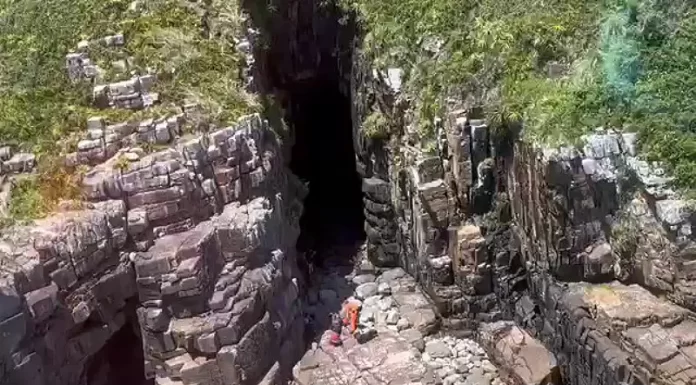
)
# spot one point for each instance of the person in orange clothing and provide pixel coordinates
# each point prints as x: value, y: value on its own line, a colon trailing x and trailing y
x: 351, y: 311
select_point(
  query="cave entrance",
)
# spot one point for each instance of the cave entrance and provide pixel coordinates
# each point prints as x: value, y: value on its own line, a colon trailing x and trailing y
x: 121, y: 361
x: 323, y: 155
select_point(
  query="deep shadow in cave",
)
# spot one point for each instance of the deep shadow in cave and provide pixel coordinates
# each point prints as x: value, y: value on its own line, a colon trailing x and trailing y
x: 120, y: 361
x: 323, y: 155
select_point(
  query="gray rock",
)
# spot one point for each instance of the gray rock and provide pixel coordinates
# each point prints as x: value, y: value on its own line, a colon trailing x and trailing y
x: 425, y: 320
x: 452, y: 379
x: 10, y: 303
x: 385, y: 304
x: 392, y: 274
x: 364, y: 278
x: 366, y: 290
x: 443, y: 372
x: 364, y: 335
x: 392, y: 317
x: 312, y: 296
x: 5, y: 153
x: 376, y: 189
x: 462, y: 366
x: 402, y: 324
x: 414, y: 337
x: 599, y: 262
x: 12, y: 331
x: 384, y: 289
x: 477, y: 377
x: 441, y: 269
x: 437, y: 349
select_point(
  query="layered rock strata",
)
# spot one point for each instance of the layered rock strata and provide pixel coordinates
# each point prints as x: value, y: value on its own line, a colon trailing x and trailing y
x: 193, y: 246
x: 587, y: 249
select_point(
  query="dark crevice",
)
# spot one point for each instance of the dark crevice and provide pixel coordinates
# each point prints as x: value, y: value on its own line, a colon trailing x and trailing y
x: 323, y: 156
x: 120, y: 361
x: 305, y: 64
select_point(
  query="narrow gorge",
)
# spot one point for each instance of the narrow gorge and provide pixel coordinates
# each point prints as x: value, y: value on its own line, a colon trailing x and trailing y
x: 203, y: 253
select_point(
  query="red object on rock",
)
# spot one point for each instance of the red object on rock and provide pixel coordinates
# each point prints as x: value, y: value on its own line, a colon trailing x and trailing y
x: 335, y: 339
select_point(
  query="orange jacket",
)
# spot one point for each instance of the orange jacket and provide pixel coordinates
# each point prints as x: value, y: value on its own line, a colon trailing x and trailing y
x: 351, y: 311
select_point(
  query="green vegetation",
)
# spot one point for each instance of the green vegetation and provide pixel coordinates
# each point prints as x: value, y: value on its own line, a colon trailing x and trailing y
x: 38, y: 195
x: 189, y: 45
x: 629, y: 66
x: 376, y: 126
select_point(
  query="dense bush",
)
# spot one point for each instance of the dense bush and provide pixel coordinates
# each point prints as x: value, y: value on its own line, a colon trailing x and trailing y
x: 629, y: 65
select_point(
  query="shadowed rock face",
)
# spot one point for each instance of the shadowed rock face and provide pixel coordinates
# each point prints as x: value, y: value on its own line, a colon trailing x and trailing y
x: 120, y: 361
x: 306, y: 65
x: 323, y: 156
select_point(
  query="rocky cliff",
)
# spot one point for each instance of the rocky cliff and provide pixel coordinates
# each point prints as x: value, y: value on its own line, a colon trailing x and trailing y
x: 585, y: 247
x: 179, y: 263
x: 193, y: 247
x: 572, y: 265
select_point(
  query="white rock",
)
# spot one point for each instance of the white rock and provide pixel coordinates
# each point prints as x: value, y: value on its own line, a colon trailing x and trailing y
x: 367, y: 315
x: 437, y: 349
x: 488, y: 367
x: 364, y: 278
x: 372, y: 301
x: 386, y: 303
x: 366, y: 290
x: 384, y: 289
x: 403, y: 324
x: 452, y: 379
x: 392, y: 317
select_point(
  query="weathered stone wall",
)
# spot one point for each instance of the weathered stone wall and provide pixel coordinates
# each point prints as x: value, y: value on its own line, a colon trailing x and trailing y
x: 587, y: 249
x: 200, y: 239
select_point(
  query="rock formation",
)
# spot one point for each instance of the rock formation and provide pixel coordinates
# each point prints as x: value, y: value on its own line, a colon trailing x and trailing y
x: 587, y: 249
x: 193, y: 247
x: 568, y: 265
